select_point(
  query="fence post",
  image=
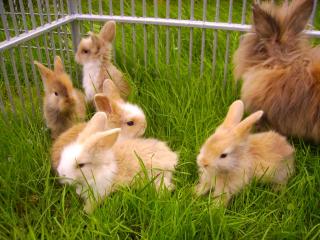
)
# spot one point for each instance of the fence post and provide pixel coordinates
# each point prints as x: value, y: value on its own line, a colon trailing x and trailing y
x: 75, y: 29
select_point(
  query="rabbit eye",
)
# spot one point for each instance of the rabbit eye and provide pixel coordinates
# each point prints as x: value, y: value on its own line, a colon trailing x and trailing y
x: 223, y: 155
x: 81, y: 165
x: 85, y: 51
x: 130, y: 123
x: 55, y: 93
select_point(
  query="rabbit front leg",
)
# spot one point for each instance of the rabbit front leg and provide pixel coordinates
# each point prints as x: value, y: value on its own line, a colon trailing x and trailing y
x: 221, y: 193
x: 206, y: 182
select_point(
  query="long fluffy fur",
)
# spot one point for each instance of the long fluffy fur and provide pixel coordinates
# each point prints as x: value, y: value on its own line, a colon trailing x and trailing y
x: 280, y: 69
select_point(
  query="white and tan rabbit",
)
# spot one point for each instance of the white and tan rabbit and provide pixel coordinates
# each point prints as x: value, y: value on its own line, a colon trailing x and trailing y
x: 96, y: 161
x: 232, y: 157
x: 63, y: 105
x: 127, y: 116
x: 281, y: 69
x: 95, y: 54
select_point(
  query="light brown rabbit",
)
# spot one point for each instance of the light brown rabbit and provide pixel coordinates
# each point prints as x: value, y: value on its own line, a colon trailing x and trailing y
x: 232, y: 157
x: 95, y: 54
x: 281, y: 70
x: 129, y: 117
x: 96, y: 161
x: 63, y: 105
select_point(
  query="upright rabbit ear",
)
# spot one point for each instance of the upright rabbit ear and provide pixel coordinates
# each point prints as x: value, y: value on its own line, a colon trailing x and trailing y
x: 101, y: 140
x: 108, y: 31
x: 102, y: 103
x: 46, y: 73
x: 234, y: 114
x: 58, y: 65
x: 111, y: 90
x: 244, y: 127
x: 96, y: 124
x: 265, y: 25
x: 298, y: 16
x: 95, y: 40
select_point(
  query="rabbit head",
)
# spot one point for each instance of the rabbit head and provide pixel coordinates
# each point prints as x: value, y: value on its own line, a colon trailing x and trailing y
x: 221, y: 151
x: 96, y: 45
x: 276, y: 35
x: 129, y: 117
x: 89, y: 159
x: 59, y: 91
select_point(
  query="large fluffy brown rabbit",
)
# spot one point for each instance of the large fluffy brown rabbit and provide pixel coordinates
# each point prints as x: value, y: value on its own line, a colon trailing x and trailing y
x: 281, y: 70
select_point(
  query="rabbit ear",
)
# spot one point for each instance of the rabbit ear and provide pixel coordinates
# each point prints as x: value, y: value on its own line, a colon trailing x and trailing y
x: 265, y: 25
x: 58, y: 65
x: 111, y: 90
x: 298, y: 16
x: 102, y: 103
x: 108, y: 31
x: 244, y: 127
x: 101, y: 140
x: 95, y: 39
x: 46, y: 73
x: 96, y: 124
x: 234, y: 114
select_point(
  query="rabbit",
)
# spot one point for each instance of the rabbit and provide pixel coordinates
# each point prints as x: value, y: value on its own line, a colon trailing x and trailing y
x: 63, y: 105
x: 96, y: 161
x: 94, y: 53
x: 130, y: 118
x: 127, y: 116
x: 281, y: 70
x: 232, y: 157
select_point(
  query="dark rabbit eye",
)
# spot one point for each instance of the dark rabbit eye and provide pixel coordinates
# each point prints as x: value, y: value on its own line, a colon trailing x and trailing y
x: 85, y: 51
x: 55, y: 93
x: 223, y: 155
x: 81, y: 165
x: 130, y: 123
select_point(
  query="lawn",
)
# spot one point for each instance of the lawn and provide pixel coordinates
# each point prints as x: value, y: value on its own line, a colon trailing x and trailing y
x: 182, y: 108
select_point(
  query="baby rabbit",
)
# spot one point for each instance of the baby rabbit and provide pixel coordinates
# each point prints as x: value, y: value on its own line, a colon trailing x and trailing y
x: 232, y: 157
x: 94, y: 53
x: 63, y: 105
x: 281, y: 70
x: 129, y: 117
x: 95, y: 161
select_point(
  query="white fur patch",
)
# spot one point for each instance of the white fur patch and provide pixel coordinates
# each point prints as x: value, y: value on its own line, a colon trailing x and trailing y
x: 132, y: 110
x: 91, y: 72
x: 67, y: 161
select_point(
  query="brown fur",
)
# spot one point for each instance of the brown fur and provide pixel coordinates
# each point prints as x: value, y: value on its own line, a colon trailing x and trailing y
x: 100, y: 47
x: 63, y: 105
x: 280, y: 70
x: 232, y: 157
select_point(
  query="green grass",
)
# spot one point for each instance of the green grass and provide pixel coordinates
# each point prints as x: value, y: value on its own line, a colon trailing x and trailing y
x: 182, y: 109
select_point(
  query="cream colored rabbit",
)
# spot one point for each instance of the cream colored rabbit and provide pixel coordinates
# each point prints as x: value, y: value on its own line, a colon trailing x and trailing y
x: 96, y: 161
x: 232, y: 157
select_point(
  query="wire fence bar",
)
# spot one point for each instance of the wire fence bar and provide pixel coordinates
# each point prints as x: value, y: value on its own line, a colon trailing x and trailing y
x: 191, y: 36
x: 145, y: 46
x: 226, y: 59
x: 167, y: 33
x: 203, y: 37
x: 215, y: 39
x: 123, y: 35
x: 244, y: 10
x: 134, y: 37
x: 156, y: 34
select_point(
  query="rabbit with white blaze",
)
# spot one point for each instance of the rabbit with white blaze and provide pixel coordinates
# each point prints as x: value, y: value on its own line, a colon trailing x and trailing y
x: 96, y: 161
x: 232, y: 157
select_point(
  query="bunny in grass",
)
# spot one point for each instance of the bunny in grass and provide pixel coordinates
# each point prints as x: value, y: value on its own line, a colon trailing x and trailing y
x: 129, y: 117
x: 95, y: 54
x: 232, y: 157
x: 97, y: 162
x: 63, y: 105
x: 281, y: 70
